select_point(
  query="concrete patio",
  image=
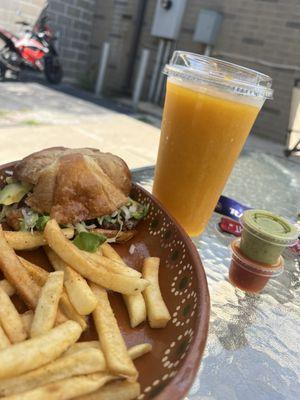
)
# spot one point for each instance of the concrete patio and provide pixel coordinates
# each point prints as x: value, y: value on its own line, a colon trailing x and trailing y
x: 34, y: 116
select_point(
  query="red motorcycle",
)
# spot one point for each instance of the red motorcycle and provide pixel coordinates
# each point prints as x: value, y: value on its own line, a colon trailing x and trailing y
x: 33, y: 50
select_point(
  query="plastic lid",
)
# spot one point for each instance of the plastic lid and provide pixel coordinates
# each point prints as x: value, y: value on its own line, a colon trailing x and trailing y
x: 222, y: 74
x: 269, y: 227
x: 253, y: 266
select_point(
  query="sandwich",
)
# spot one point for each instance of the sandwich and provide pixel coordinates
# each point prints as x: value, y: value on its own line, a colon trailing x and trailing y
x: 83, y: 188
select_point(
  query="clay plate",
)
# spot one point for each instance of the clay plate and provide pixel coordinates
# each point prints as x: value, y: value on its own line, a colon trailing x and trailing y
x: 169, y: 370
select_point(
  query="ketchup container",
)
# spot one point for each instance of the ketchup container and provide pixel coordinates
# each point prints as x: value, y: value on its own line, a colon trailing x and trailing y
x: 248, y: 275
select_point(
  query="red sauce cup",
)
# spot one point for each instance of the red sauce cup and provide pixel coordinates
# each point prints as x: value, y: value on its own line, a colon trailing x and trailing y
x: 249, y: 275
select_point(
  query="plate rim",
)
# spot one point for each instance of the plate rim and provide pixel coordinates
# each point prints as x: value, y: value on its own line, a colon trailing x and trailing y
x: 178, y: 387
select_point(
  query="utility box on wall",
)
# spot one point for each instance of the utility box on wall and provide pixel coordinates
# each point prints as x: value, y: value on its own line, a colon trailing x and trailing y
x: 168, y: 18
x: 208, y: 26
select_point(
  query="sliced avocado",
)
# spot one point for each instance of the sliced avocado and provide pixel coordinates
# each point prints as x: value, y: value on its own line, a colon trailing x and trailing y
x: 13, y: 193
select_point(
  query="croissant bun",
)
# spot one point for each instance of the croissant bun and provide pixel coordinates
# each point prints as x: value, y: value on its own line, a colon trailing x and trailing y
x: 74, y: 185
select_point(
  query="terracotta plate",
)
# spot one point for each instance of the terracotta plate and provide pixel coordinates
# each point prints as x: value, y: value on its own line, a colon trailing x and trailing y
x: 168, y: 371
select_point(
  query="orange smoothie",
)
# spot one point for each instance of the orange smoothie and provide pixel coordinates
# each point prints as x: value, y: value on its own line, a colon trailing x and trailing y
x: 202, y: 135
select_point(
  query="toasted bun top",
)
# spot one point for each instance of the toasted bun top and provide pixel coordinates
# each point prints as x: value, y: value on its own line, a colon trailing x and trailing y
x: 73, y: 185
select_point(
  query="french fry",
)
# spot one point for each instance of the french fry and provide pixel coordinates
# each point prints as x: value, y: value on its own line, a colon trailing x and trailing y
x: 120, y: 390
x: 136, y: 308
x: 33, y: 353
x: 135, y: 303
x: 46, y: 309
x: 10, y: 319
x: 139, y: 350
x: 30, y: 240
x: 134, y: 352
x: 109, y: 252
x: 74, y: 257
x: 79, y: 346
x: 16, y: 275
x: 4, y: 341
x: 39, y: 275
x: 79, y: 292
x: 65, y: 389
x: 27, y: 318
x: 157, y: 311
x: 80, y: 363
x: 116, y: 267
x: 7, y: 287
x: 112, y: 342
x: 70, y: 312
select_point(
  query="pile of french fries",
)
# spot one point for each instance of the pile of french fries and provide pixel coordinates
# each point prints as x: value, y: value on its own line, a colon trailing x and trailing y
x: 41, y: 357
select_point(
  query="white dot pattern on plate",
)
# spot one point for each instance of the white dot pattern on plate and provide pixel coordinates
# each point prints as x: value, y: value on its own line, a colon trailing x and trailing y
x: 184, y: 302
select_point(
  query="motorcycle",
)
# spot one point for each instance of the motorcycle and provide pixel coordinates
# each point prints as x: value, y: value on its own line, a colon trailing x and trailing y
x: 34, y: 50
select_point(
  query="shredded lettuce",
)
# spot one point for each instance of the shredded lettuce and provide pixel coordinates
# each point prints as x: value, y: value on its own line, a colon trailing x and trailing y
x: 32, y: 220
x: 29, y: 220
x: 132, y: 211
x: 42, y: 222
x: 89, y: 241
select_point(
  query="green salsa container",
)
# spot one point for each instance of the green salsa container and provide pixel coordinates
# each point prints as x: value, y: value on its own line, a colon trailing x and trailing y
x: 265, y: 236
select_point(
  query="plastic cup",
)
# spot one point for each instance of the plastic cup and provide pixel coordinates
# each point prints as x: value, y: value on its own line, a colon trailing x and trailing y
x: 266, y: 235
x: 249, y: 275
x: 209, y: 110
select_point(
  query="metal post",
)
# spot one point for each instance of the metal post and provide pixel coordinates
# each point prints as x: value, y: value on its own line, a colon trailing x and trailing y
x: 102, y: 68
x: 161, y: 76
x: 138, y: 86
x: 208, y: 50
x: 156, y: 70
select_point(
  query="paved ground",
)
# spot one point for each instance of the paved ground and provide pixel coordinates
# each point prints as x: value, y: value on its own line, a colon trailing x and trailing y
x: 34, y: 116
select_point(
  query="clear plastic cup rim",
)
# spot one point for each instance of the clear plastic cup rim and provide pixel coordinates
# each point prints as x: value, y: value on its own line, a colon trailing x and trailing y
x: 224, y: 75
x: 253, y: 267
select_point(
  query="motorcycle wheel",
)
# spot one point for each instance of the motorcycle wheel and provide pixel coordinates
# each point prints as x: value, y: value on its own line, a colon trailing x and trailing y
x: 2, y: 71
x: 53, y: 70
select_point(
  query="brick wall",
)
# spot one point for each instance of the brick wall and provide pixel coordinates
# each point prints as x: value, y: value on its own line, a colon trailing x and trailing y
x: 73, y: 20
x: 15, y: 10
x: 260, y: 29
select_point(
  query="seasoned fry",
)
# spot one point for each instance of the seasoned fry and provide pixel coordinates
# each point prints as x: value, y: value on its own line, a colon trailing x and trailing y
x: 65, y: 389
x: 73, y: 257
x: 121, y: 237
x: 111, y: 265
x: 80, y: 363
x: 134, y: 352
x: 139, y: 350
x: 17, y: 276
x: 157, y: 311
x: 4, y: 341
x: 110, y: 253
x: 135, y: 303
x: 67, y: 308
x: 112, y: 342
x: 79, y: 346
x: 30, y: 240
x: 136, y: 308
x: 7, y: 287
x: 46, y: 309
x: 79, y: 292
x: 33, y: 353
x: 120, y: 390
x: 10, y: 319
x: 39, y: 275
x: 27, y: 318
